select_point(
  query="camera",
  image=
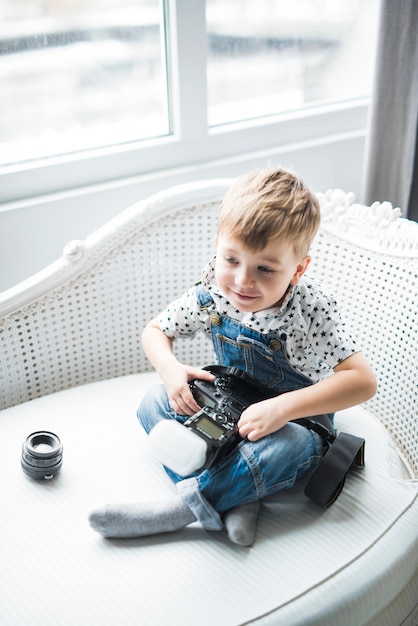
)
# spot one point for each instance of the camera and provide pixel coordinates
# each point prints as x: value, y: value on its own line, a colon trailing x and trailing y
x: 41, y: 455
x: 211, y: 433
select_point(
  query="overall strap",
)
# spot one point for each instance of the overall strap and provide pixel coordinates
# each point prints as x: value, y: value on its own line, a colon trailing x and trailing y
x: 206, y: 303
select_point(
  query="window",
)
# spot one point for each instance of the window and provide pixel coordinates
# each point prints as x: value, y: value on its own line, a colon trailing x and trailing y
x: 267, y: 57
x: 97, y: 90
x: 80, y: 75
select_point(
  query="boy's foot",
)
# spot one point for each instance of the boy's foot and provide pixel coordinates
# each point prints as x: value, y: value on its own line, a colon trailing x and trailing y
x: 241, y: 523
x: 141, y: 519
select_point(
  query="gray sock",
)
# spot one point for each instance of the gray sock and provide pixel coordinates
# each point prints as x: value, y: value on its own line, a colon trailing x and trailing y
x: 141, y: 519
x: 241, y: 523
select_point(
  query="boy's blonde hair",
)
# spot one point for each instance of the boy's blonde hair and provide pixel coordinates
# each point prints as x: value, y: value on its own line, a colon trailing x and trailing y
x: 270, y: 204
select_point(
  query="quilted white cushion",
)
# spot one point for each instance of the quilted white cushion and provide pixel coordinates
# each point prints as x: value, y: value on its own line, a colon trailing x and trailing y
x: 56, y: 570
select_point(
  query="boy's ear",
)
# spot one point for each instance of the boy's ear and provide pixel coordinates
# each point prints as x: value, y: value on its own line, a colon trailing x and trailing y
x: 300, y: 270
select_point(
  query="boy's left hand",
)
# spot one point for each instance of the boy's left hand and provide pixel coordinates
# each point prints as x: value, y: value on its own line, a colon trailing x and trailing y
x: 260, y: 419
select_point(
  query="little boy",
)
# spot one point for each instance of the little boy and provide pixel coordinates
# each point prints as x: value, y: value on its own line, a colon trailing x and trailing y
x: 266, y: 316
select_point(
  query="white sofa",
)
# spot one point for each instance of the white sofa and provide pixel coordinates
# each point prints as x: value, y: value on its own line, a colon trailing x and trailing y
x: 72, y: 363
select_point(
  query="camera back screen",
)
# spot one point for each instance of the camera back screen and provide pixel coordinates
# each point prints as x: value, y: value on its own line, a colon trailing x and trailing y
x: 209, y: 428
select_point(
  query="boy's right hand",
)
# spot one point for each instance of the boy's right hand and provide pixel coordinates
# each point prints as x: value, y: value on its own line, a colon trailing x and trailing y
x: 175, y: 375
x: 176, y: 381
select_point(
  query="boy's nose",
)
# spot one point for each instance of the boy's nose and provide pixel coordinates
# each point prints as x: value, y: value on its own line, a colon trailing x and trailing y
x: 244, y: 277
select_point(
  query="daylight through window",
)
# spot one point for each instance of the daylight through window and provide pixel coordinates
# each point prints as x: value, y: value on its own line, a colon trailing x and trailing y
x: 80, y: 75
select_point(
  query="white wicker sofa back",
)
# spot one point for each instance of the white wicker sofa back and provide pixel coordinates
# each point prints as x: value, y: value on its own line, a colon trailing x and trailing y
x: 80, y: 321
x: 369, y: 258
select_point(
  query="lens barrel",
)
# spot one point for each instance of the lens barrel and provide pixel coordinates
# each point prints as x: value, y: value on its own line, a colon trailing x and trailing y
x: 42, y: 455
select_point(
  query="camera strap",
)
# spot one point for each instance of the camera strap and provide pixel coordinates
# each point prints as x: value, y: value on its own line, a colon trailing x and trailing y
x: 345, y: 451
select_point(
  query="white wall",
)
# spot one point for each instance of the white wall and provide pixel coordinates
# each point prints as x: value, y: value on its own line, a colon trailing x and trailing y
x: 33, y: 232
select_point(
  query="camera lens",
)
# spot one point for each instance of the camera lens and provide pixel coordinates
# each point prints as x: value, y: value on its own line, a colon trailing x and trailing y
x: 42, y: 455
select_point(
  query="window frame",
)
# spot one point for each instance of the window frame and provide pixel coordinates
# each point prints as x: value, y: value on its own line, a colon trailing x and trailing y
x: 191, y: 140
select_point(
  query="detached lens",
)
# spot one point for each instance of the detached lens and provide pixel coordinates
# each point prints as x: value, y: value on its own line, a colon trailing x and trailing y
x: 42, y: 455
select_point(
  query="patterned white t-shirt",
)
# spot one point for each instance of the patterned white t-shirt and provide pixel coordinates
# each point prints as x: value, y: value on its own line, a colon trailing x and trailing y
x: 317, y: 336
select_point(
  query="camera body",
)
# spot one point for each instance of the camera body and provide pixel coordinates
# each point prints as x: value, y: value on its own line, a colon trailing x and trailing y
x: 211, y: 433
x: 222, y: 402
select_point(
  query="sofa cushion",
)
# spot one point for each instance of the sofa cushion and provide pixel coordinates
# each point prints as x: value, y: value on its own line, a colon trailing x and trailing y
x: 56, y: 570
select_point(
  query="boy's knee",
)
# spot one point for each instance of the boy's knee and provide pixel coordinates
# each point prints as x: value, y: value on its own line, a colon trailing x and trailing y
x: 153, y: 407
x: 294, y: 444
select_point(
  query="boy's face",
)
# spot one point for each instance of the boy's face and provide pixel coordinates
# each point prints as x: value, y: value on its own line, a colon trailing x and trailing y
x: 254, y: 281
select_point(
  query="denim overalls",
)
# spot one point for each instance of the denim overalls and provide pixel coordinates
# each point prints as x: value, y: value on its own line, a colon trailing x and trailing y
x: 254, y: 469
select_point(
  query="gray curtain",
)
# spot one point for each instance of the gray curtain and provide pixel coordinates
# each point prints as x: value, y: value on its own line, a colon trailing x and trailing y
x: 391, y: 159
